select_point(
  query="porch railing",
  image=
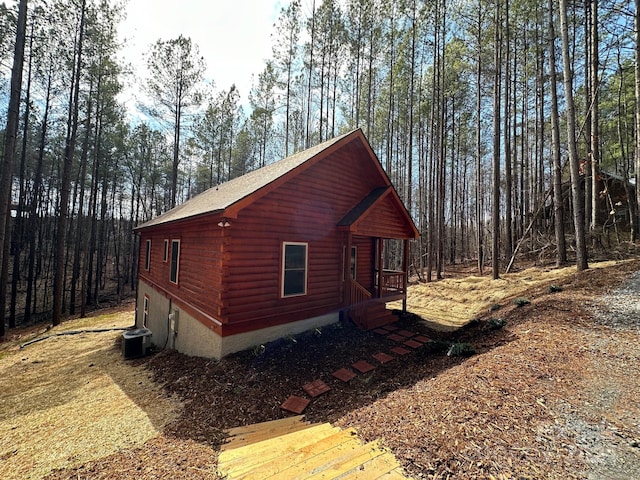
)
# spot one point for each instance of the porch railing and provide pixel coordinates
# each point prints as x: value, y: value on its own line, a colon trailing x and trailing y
x: 360, y: 297
x: 392, y: 283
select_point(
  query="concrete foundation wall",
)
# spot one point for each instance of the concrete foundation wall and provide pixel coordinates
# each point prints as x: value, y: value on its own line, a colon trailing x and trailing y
x: 158, y: 311
x: 242, y: 341
x: 184, y: 333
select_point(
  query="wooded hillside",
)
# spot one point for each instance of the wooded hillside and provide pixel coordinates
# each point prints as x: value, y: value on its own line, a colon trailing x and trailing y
x: 504, y: 125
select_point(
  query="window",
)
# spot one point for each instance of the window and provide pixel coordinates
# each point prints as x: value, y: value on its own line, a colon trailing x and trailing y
x: 175, y: 260
x: 147, y: 255
x: 294, y: 269
x: 145, y: 311
x: 165, y: 255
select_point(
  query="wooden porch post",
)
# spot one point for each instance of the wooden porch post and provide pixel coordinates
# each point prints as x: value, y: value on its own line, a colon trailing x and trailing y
x: 380, y: 242
x: 405, y: 269
x: 347, y: 270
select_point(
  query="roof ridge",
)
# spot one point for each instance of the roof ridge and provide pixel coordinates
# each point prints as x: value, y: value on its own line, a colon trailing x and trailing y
x: 223, y: 195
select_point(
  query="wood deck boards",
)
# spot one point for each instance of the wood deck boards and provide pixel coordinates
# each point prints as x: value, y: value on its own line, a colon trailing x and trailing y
x: 292, y: 448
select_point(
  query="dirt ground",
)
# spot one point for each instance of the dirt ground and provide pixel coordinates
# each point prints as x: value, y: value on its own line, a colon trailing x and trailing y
x: 551, y: 394
x: 70, y: 396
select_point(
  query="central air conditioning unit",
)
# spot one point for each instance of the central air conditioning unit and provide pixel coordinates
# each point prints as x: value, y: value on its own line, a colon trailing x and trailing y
x: 135, y: 343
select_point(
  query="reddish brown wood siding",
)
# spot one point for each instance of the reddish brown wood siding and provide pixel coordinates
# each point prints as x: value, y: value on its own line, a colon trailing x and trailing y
x: 306, y: 210
x: 234, y: 274
x: 364, y: 262
x: 200, y: 270
x: 384, y: 220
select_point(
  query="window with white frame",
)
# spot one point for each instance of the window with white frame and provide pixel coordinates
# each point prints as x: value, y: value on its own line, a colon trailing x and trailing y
x: 145, y: 311
x: 175, y: 260
x: 147, y: 255
x: 165, y: 254
x: 294, y: 269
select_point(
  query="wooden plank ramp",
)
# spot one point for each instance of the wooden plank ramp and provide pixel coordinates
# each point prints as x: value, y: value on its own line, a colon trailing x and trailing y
x: 292, y: 448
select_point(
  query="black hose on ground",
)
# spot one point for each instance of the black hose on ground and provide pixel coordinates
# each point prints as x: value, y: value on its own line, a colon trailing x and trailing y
x: 74, y: 332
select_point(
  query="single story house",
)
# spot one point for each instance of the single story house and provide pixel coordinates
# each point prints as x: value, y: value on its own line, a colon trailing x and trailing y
x: 289, y: 247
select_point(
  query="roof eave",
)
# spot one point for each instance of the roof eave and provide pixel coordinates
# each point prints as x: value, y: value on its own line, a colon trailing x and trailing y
x: 150, y: 224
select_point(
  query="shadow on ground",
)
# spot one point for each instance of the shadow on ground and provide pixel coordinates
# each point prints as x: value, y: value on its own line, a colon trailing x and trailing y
x: 250, y: 386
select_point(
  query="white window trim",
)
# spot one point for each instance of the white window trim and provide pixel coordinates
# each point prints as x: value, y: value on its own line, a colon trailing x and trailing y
x: 165, y: 255
x: 145, y: 311
x: 177, y: 262
x: 306, y: 269
x: 147, y: 255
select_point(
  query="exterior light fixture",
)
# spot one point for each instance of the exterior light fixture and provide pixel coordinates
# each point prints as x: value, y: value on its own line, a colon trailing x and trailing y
x: 224, y: 223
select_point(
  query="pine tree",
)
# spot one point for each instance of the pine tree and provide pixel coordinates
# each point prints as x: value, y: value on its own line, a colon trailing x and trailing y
x: 176, y: 71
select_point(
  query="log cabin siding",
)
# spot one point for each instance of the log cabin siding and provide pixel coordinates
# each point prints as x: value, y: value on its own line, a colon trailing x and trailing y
x: 306, y: 210
x: 230, y: 279
x: 201, y: 258
x: 385, y: 222
x: 364, y: 261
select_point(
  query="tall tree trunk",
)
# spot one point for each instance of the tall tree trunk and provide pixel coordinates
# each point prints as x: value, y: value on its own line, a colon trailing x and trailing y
x: 9, y: 153
x: 370, y: 86
x: 595, y: 117
x: 558, y: 203
x: 497, y: 92
x: 81, y: 238
x: 322, y: 98
x: 412, y: 75
x: 589, y: 192
x: 390, y: 107
x: 578, y: 205
x: 636, y: 71
x: 441, y: 45
x: 508, y: 206
x: 33, y: 208
x: 65, y: 187
x: 19, y: 229
x: 176, y: 152
x: 307, y: 142
x: 479, y: 192
x: 289, y: 63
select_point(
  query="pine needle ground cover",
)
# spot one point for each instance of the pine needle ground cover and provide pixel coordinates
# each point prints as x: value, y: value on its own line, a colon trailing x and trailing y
x: 450, y: 303
x: 549, y: 392
x: 73, y: 398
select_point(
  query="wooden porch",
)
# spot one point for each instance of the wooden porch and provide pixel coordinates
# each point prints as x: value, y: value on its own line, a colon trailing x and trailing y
x: 377, y: 232
x: 367, y: 307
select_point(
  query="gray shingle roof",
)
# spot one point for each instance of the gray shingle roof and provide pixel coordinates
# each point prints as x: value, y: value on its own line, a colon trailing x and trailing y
x: 217, y: 199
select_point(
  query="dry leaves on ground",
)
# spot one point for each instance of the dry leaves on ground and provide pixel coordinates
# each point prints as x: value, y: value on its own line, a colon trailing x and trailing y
x: 72, y: 399
x: 550, y: 395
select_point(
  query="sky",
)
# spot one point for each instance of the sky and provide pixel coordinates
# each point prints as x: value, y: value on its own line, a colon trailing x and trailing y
x: 234, y: 36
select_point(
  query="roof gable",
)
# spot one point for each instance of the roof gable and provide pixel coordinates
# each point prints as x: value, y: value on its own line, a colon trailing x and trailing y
x: 225, y: 195
x: 381, y: 213
x: 229, y: 198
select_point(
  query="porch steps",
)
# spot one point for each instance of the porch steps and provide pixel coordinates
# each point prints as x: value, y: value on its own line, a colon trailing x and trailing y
x: 293, y: 448
x: 376, y: 316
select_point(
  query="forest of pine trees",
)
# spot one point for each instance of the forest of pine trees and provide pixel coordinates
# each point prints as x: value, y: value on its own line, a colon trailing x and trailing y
x: 494, y: 120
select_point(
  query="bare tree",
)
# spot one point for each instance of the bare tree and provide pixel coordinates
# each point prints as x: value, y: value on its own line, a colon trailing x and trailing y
x: 497, y: 93
x: 65, y: 186
x: 558, y: 204
x: 636, y: 27
x: 9, y: 152
x: 578, y: 204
